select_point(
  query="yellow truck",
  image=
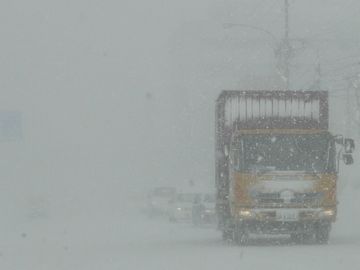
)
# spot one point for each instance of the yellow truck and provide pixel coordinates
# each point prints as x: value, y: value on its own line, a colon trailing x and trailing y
x: 277, y: 164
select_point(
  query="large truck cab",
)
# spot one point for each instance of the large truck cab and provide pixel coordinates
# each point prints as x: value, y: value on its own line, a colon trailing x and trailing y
x: 277, y: 172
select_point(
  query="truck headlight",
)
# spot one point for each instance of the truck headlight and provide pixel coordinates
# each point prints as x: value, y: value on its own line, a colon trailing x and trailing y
x: 245, y: 213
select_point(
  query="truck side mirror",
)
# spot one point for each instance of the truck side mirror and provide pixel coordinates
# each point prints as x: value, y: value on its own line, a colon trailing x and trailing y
x: 348, y: 159
x: 339, y: 139
x: 349, y: 145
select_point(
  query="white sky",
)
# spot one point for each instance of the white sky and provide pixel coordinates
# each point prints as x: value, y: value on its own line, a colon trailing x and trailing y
x: 120, y: 94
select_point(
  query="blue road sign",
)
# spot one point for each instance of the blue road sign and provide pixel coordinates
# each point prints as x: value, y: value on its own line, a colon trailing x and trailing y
x: 10, y: 126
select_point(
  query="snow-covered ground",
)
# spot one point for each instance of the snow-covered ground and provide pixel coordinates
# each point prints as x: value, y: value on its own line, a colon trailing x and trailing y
x: 127, y: 239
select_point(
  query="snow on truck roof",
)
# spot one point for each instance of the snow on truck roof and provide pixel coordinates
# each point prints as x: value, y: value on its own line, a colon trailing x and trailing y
x: 273, y: 109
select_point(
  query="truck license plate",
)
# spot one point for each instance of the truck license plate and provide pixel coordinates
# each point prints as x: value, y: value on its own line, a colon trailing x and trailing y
x: 287, y: 215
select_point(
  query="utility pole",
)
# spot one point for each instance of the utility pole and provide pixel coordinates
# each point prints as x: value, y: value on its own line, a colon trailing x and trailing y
x: 318, y: 74
x: 348, y: 113
x: 287, y: 48
x: 284, y: 51
x: 355, y: 85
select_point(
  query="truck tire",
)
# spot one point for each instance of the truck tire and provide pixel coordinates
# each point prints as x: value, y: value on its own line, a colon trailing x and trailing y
x: 240, y: 235
x: 322, y: 233
x: 227, y: 228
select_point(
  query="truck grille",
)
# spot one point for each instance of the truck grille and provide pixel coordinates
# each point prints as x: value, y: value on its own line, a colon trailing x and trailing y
x: 299, y: 198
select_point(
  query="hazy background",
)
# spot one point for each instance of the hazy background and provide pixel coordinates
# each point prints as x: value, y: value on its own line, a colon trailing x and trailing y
x: 118, y: 96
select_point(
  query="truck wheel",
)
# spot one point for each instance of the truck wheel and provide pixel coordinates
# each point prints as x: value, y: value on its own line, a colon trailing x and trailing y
x: 322, y: 233
x: 241, y: 236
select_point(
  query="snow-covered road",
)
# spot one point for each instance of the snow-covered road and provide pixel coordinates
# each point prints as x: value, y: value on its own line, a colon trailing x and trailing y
x: 127, y: 239
x: 132, y: 241
x: 186, y: 247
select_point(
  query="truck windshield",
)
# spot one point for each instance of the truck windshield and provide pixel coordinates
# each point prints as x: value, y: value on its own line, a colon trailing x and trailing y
x: 285, y: 152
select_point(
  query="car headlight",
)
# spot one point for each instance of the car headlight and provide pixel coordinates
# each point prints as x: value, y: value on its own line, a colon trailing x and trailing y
x: 179, y: 208
x: 328, y: 213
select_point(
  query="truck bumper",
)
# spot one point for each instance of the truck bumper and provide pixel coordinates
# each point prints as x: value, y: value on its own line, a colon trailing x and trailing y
x: 276, y: 227
x: 285, y: 221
